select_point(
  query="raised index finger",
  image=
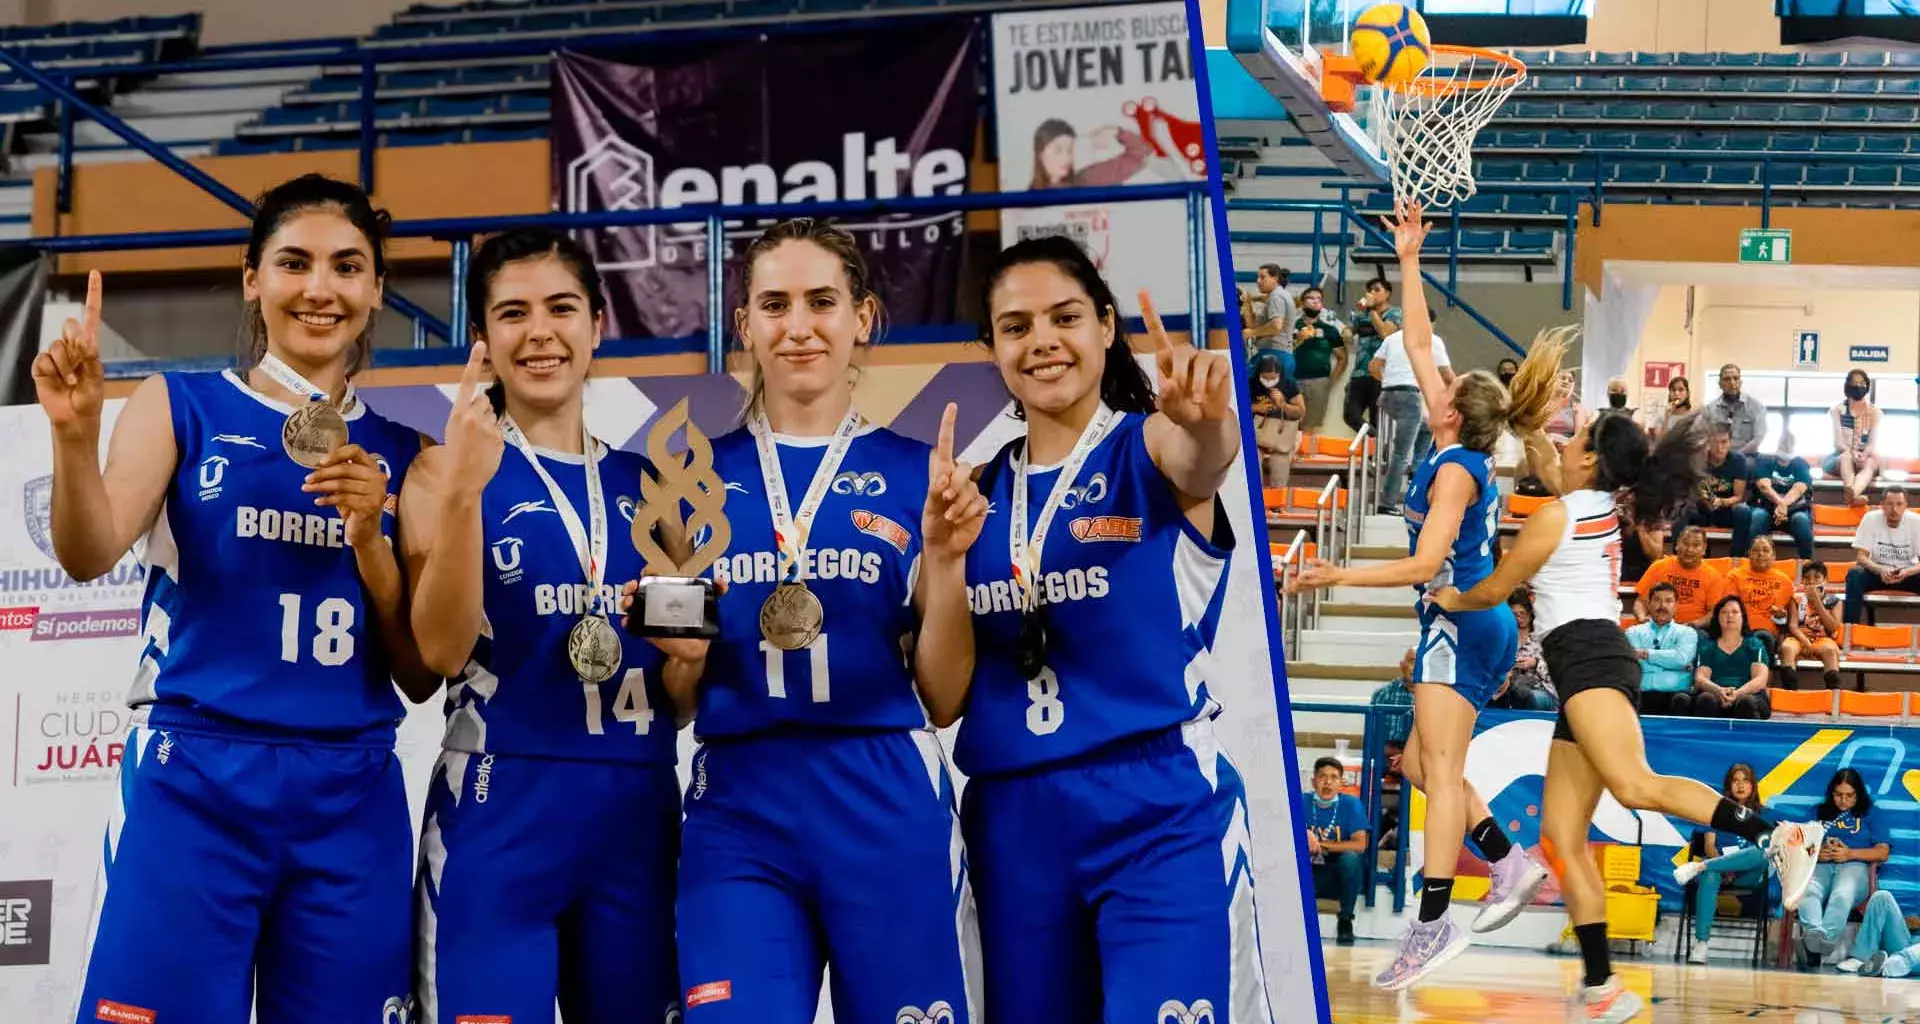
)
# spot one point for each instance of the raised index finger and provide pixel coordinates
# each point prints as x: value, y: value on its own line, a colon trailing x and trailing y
x: 90, y: 321
x: 470, y: 375
x: 943, y: 447
x: 1155, y: 329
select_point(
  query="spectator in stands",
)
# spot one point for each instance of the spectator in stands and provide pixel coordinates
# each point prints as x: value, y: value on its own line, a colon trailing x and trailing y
x: 1528, y: 686
x: 1319, y: 353
x: 1855, y: 838
x: 1402, y: 406
x: 1724, y: 503
x: 1573, y: 417
x: 1617, y: 397
x: 1725, y: 859
x: 1374, y: 318
x: 1886, y: 548
x: 1856, y: 432
x: 1679, y: 403
x: 1812, y: 625
x: 1744, y: 416
x: 1337, y: 842
x: 1267, y: 318
x: 1506, y: 370
x: 1765, y: 592
x: 1781, y: 492
x: 1277, y: 410
x: 1697, y: 586
x: 1667, y: 651
x: 1731, y: 679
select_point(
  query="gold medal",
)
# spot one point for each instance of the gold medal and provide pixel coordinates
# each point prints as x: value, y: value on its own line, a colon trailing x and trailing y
x: 593, y: 649
x: 791, y: 617
x: 312, y: 433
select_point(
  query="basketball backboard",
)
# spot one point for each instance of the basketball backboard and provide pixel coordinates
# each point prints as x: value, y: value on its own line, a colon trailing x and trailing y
x: 1281, y: 43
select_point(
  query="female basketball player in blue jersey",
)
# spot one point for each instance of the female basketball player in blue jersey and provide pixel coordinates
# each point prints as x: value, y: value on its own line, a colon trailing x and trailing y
x: 1107, y: 831
x: 553, y: 820
x: 259, y: 857
x: 1453, y: 515
x: 820, y: 825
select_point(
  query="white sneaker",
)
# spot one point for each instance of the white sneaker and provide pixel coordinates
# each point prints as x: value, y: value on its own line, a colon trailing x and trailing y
x: 1610, y: 1003
x: 1698, y: 954
x: 1794, y: 850
x: 1850, y: 965
x: 1689, y: 871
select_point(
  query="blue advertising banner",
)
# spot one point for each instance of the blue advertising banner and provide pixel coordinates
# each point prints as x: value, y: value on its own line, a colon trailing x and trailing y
x: 1794, y: 761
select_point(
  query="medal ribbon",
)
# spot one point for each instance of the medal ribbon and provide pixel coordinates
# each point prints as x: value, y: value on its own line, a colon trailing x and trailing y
x: 790, y: 528
x: 1026, y: 552
x: 590, y: 543
x: 289, y: 378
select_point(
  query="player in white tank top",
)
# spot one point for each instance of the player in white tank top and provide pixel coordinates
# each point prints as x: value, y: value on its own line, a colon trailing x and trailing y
x: 1581, y: 578
x: 1571, y: 549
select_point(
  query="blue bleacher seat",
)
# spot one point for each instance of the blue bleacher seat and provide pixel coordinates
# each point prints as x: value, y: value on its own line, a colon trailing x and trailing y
x: 1481, y: 241
x: 525, y: 103
x: 1526, y: 108
x: 1875, y: 175
x: 1827, y: 176
x: 1859, y: 86
x: 1892, y: 142
x: 1688, y: 83
x: 1758, y: 113
x: 1738, y: 60
x: 1902, y: 86
x: 1733, y: 174
x: 1793, y: 142
x: 1893, y: 114
x: 1693, y: 60
x: 1710, y: 141
x: 1624, y: 111
x: 1565, y: 140
x: 249, y: 147
x: 312, y: 143
x: 1671, y: 111
x: 1602, y: 59
x: 1657, y: 140
x: 1483, y: 202
x: 1910, y: 175
x: 1500, y: 170
x: 1612, y: 140
x: 1786, y: 173
x: 1842, y: 112
x: 1812, y: 84
x: 1828, y: 142
x: 558, y: 22
x: 1747, y: 142
x: 1808, y: 112
x: 1829, y: 59
x: 1635, y: 171
x: 1555, y: 83
x: 1527, y: 203
x: 507, y: 132
x: 1642, y: 83
x: 1530, y: 241
x: 1712, y: 112
x: 1686, y: 174
x: 1787, y: 59
x: 1767, y: 84
x: 1651, y: 59
x: 301, y: 115
x: 1903, y: 58
x: 456, y: 106
x: 1515, y: 140
x: 1542, y: 171
x: 423, y: 138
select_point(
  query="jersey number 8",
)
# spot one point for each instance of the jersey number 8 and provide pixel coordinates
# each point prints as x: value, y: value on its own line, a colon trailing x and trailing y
x: 333, y: 622
x: 1045, y: 712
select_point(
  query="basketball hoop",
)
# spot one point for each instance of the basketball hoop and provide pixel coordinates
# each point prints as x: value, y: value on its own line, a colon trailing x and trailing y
x: 1426, y: 127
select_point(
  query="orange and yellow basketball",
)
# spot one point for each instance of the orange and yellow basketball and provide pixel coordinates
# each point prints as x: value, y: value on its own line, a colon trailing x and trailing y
x: 1391, y: 44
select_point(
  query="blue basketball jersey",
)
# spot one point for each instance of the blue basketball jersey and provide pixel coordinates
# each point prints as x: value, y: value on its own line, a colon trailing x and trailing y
x: 1471, y: 559
x: 862, y: 554
x: 1130, y: 594
x: 254, y: 610
x: 519, y: 694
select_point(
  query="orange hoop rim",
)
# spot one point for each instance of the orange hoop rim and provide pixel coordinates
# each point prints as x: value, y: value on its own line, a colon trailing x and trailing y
x: 1341, y: 72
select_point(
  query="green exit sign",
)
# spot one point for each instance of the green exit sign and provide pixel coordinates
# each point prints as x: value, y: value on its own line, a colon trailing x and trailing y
x: 1766, y: 245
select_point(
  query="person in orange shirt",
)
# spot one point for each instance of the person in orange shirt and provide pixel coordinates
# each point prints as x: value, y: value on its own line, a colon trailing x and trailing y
x: 1766, y: 593
x: 1811, y: 628
x: 1697, y: 585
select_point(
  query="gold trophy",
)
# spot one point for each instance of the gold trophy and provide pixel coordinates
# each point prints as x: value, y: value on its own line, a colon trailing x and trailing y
x: 675, y: 601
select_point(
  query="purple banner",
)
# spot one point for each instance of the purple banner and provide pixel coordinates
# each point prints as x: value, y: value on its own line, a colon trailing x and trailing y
x: 860, y: 114
x: 86, y: 625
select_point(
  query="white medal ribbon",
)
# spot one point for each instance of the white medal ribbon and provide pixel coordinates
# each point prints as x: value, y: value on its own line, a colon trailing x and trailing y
x: 1026, y: 551
x: 287, y: 377
x: 589, y: 543
x: 790, y: 528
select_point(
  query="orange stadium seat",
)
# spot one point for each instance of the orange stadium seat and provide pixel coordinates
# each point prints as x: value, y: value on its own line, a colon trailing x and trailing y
x: 1520, y: 506
x: 1888, y: 644
x: 1873, y: 705
x: 1722, y: 565
x: 1837, y: 520
x: 1837, y: 572
x: 1802, y: 703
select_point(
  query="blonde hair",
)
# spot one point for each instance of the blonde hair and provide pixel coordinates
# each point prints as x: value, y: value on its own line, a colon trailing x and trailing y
x: 839, y: 244
x: 1487, y: 407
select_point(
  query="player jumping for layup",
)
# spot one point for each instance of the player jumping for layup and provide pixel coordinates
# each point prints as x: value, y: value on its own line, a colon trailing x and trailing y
x: 1453, y: 515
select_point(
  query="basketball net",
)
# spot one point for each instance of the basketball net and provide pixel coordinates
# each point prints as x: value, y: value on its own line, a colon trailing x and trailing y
x: 1425, y: 128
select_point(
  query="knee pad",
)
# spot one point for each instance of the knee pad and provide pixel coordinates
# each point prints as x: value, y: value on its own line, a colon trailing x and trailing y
x: 1555, y: 863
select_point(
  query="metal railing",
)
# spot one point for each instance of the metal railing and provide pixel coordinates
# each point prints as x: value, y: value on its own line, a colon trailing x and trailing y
x: 1285, y: 568
x: 1358, y: 460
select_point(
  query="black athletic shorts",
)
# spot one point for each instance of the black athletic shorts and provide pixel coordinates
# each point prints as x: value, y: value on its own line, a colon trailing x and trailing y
x: 1589, y: 654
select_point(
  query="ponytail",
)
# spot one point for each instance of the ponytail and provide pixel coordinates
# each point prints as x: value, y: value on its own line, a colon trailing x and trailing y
x: 1653, y: 481
x: 1533, y: 392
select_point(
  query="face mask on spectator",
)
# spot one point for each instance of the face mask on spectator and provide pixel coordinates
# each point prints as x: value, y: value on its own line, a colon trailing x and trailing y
x: 1616, y: 399
x: 1506, y: 377
x: 1856, y: 392
x: 1272, y: 381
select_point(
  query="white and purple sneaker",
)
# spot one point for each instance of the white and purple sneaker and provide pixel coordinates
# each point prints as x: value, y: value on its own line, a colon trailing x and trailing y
x: 1423, y: 949
x: 1516, y: 879
x: 1610, y: 1003
x: 1794, y: 850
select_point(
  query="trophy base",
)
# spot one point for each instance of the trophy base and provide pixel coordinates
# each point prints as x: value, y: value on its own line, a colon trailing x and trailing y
x: 675, y: 608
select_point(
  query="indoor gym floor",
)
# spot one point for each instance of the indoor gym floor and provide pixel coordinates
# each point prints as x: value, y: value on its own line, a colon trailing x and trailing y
x: 1509, y: 987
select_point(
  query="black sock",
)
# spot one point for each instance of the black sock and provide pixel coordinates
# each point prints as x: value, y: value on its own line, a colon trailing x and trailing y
x: 1789, y: 677
x: 1593, y: 952
x: 1435, y: 897
x: 1741, y: 821
x: 1492, y: 840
